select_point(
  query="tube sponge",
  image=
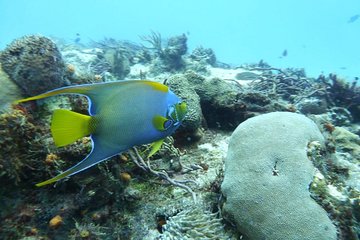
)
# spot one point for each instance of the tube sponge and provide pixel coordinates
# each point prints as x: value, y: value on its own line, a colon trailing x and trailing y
x: 266, y: 180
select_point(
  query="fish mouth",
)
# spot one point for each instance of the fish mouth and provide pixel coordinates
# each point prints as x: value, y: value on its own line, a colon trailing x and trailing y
x: 177, y: 112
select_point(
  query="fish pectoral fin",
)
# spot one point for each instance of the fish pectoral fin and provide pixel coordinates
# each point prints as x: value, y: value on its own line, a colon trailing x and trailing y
x: 155, y: 147
x: 68, y: 126
x: 162, y: 123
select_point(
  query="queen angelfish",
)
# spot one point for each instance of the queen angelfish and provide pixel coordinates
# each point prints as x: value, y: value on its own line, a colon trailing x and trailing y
x: 122, y: 115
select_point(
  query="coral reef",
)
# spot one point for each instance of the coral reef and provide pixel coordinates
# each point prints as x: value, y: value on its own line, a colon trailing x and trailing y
x: 289, y: 84
x: 119, y: 62
x: 219, y: 102
x: 342, y: 93
x: 173, y: 52
x: 34, y: 63
x: 131, y: 197
x: 88, y: 231
x: 9, y: 93
x: 266, y: 177
x: 247, y: 75
x: 224, y: 104
x: 312, y: 106
x: 168, y: 58
x: 181, y: 86
x: 347, y: 142
x: 21, y: 146
x: 336, y: 182
x: 203, y: 55
x: 193, y: 223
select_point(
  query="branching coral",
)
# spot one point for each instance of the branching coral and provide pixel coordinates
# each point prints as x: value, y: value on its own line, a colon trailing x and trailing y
x: 342, y: 93
x: 88, y: 231
x: 154, y: 39
x: 169, y: 57
x: 289, y: 84
x: 139, y: 161
x: 194, y: 223
x: 99, y: 66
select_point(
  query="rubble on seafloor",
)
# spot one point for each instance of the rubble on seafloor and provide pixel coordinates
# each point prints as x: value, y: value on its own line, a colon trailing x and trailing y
x: 117, y: 199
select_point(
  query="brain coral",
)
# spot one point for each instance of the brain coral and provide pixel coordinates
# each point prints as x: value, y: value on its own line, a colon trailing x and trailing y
x: 267, y: 174
x: 34, y: 63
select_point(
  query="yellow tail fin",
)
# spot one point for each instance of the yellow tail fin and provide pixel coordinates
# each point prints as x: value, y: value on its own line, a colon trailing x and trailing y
x: 68, y: 126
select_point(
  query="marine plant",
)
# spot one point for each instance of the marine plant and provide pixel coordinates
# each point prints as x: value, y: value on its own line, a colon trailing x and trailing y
x: 155, y: 41
x: 118, y: 61
x: 169, y: 57
x: 342, y: 93
x: 117, y: 56
x: 22, y: 147
x: 87, y: 231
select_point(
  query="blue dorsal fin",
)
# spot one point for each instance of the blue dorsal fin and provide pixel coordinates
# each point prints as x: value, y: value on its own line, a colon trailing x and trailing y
x: 102, y: 95
x: 99, y: 93
x: 101, y: 151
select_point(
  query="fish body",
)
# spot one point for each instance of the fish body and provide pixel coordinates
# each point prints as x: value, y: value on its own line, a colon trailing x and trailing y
x: 122, y: 114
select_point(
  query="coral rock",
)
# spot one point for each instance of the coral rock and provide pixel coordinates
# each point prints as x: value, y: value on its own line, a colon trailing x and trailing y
x: 194, y: 223
x: 9, y: 93
x: 181, y: 86
x: 55, y: 222
x: 125, y: 177
x: 202, y: 54
x: 267, y: 174
x: 34, y: 63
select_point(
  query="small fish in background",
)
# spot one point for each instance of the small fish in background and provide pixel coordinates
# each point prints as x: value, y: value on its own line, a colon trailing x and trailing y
x: 122, y: 115
x: 284, y: 53
x: 353, y: 18
x: 77, y: 39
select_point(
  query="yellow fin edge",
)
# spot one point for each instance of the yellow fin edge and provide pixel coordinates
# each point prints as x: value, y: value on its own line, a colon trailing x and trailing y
x: 54, y: 179
x: 45, y: 95
x: 157, y: 86
x: 71, y: 89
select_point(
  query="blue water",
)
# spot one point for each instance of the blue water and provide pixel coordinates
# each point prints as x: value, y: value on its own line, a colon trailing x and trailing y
x: 316, y: 34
